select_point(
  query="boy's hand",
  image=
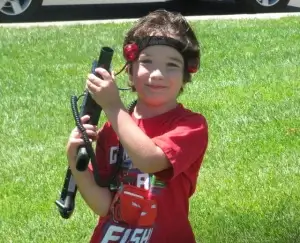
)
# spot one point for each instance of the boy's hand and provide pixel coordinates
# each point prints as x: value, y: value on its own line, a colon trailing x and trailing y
x: 104, y: 90
x: 75, y: 138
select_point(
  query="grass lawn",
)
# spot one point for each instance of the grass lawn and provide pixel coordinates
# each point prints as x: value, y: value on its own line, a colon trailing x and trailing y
x: 248, y: 89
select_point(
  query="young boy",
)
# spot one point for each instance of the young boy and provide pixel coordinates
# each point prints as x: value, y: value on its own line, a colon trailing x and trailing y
x: 163, y: 142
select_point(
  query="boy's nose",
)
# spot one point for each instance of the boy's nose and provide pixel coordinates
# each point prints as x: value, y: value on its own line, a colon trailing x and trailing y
x: 156, y: 75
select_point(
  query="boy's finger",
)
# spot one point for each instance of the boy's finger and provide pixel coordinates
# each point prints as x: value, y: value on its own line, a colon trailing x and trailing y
x: 90, y: 127
x: 85, y: 118
x: 113, y: 75
x: 104, y: 74
x: 89, y: 131
x: 76, y: 141
x: 92, y: 88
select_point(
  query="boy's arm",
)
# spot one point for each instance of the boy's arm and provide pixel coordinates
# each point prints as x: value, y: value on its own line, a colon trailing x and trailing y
x: 144, y: 153
x: 98, y: 198
x: 172, y: 152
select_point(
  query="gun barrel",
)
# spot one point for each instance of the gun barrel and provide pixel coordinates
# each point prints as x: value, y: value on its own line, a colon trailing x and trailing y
x: 105, y: 57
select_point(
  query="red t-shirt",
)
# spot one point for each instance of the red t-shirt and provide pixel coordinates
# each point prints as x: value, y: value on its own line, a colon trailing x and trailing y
x: 183, y: 136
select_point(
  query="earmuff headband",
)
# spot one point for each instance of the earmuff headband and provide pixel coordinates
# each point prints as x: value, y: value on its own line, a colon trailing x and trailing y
x: 132, y: 50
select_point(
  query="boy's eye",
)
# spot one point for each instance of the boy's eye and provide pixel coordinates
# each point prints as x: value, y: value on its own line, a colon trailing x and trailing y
x: 145, y: 61
x: 172, y: 64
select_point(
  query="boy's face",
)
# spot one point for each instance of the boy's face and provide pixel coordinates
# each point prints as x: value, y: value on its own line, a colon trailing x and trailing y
x: 157, y: 75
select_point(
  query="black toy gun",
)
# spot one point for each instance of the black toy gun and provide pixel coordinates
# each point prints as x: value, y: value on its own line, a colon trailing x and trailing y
x: 66, y: 203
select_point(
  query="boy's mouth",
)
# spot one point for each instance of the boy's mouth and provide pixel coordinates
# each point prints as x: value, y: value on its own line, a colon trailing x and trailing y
x: 155, y: 86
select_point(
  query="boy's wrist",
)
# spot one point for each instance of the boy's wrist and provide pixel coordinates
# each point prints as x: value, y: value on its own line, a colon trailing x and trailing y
x: 79, y: 176
x: 114, y: 109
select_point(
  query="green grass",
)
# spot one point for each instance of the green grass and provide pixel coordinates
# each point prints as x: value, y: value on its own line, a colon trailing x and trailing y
x: 248, y: 89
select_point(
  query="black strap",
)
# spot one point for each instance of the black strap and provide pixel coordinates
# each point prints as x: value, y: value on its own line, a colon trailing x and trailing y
x: 114, y: 182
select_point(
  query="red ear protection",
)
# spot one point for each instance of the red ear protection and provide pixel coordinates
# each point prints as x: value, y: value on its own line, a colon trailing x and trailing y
x: 131, y: 51
x: 193, y: 65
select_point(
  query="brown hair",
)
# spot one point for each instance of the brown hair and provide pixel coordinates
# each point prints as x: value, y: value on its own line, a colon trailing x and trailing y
x: 168, y: 24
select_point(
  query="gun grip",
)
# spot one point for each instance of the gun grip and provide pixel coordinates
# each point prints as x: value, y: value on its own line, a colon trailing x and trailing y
x: 66, y: 207
x: 66, y: 202
x: 82, y: 159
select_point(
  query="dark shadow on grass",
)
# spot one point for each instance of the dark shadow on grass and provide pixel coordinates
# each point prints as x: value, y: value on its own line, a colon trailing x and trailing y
x: 124, y: 11
x: 293, y: 9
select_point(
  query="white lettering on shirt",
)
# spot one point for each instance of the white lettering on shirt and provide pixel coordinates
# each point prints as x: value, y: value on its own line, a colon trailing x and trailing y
x: 120, y: 234
x: 109, y: 235
x: 143, y: 181
x: 126, y: 236
x: 146, y: 236
x: 113, y: 155
x: 136, y: 235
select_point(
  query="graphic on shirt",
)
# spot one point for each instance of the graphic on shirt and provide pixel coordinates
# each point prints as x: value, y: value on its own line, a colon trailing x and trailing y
x: 169, y: 127
x: 133, y: 176
x: 114, y: 231
x: 113, y: 155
